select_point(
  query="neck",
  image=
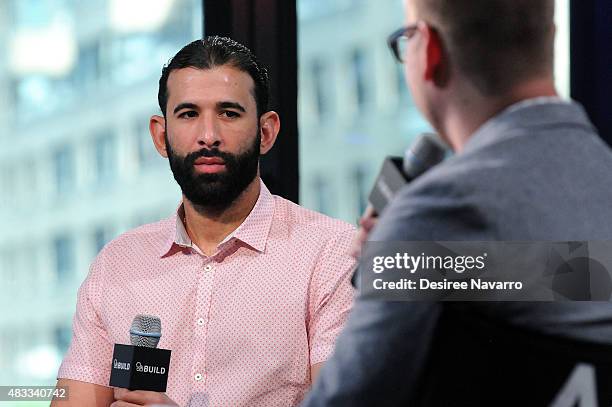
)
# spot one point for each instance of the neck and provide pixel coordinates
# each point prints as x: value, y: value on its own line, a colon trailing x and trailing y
x: 208, y: 227
x: 469, y: 109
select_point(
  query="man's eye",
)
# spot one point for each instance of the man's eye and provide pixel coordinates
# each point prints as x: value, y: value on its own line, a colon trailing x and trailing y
x: 189, y: 114
x: 230, y: 114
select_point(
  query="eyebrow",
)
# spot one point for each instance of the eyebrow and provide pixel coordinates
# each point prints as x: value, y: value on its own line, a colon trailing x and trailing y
x: 231, y: 105
x: 185, y: 105
x: 220, y: 105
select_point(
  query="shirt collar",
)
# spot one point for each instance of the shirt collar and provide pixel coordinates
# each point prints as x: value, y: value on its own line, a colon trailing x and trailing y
x: 253, y: 231
x: 181, y: 237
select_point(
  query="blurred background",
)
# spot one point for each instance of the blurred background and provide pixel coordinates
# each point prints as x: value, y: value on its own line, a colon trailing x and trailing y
x: 78, y: 83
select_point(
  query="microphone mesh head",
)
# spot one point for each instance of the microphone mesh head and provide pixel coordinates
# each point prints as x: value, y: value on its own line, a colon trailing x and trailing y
x: 423, y: 154
x: 145, y: 324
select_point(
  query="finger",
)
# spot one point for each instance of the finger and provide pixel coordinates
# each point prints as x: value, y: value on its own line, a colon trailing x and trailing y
x: 369, y: 211
x: 121, y: 403
x: 355, y: 250
x: 358, y: 240
x: 362, y: 236
x: 167, y: 403
x: 119, y: 392
x: 142, y: 397
x: 368, y: 224
x: 369, y: 218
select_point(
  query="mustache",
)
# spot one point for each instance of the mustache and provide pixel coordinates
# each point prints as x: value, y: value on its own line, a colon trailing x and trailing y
x: 206, y: 152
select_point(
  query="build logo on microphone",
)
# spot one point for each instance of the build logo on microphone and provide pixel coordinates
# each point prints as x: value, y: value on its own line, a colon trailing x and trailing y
x: 121, y: 365
x: 149, y: 369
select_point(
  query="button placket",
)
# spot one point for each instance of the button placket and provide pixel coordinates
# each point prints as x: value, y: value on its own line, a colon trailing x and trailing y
x: 205, y: 284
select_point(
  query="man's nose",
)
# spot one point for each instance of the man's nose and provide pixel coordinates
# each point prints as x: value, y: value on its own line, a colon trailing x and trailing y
x: 209, y: 134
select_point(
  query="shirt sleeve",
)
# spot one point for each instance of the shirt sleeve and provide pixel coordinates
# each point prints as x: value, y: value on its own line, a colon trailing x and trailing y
x: 89, y: 356
x: 331, y: 296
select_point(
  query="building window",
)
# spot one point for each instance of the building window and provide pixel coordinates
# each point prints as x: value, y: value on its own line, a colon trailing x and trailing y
x: 87, y: 71
x: 7, y: 198
x: 360, y: 181
x: 62, y: 335
x: 323, y: 194
x: 358, y: 63
x: 63, y: 160
x: 104, y: 157
x: 147, y: 154
x: 321, y: 88
x: 101, y: 237
x: 129, y: 55
x: 33, y: 96
x: 63, y: 247
x: 147, y: 216
x: 28, y: 182
x: 9, y: 271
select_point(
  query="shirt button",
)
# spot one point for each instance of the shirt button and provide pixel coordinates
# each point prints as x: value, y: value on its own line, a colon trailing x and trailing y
x: 198, y: 377
x: 200, y: 321
x: 208, y: 267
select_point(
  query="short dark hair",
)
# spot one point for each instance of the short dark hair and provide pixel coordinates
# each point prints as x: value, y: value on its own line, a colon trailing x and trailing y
x: 214, y: 51
x: 495, y: 43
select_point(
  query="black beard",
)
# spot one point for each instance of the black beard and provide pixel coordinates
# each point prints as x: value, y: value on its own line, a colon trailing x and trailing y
x: 215, y: 191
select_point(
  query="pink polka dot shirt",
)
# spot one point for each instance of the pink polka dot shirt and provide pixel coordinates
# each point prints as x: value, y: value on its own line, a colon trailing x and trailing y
x: 244, y: 325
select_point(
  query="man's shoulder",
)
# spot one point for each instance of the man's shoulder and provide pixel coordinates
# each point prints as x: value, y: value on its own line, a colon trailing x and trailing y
x: 150, y: 236
x: 516, y: 163
x: 316, y: 223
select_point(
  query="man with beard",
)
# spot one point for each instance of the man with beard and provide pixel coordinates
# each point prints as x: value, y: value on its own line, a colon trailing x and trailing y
x: 251, y: 289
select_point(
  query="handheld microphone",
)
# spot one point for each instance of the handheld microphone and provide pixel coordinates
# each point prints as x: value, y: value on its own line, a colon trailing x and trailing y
x: 140, y: 366
x: 424, y: 153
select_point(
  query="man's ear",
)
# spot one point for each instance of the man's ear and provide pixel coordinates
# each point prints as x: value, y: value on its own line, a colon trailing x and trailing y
x: 157, y: 128
x: 434, y: 59
x: 269, y: 126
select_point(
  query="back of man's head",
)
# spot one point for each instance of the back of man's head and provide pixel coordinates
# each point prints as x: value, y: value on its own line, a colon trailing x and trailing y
x: 495, y: 44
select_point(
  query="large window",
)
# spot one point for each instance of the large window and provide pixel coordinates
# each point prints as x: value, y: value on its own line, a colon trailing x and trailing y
x: 354, y: 107
x: 63, y: 160
x: 78, y: 83
x: 105, y: 155
x: 63, y: 250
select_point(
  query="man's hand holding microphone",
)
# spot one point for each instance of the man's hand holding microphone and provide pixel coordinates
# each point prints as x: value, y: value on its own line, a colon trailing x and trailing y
x: 140, y: 371
x: 426, y: 151
x: 131, y: 398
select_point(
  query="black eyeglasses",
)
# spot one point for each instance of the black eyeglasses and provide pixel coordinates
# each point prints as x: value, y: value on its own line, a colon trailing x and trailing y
x: 398, y: 39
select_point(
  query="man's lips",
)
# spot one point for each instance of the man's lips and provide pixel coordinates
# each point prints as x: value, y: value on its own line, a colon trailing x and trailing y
x: 209, y: 160
x: 209, y: 164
